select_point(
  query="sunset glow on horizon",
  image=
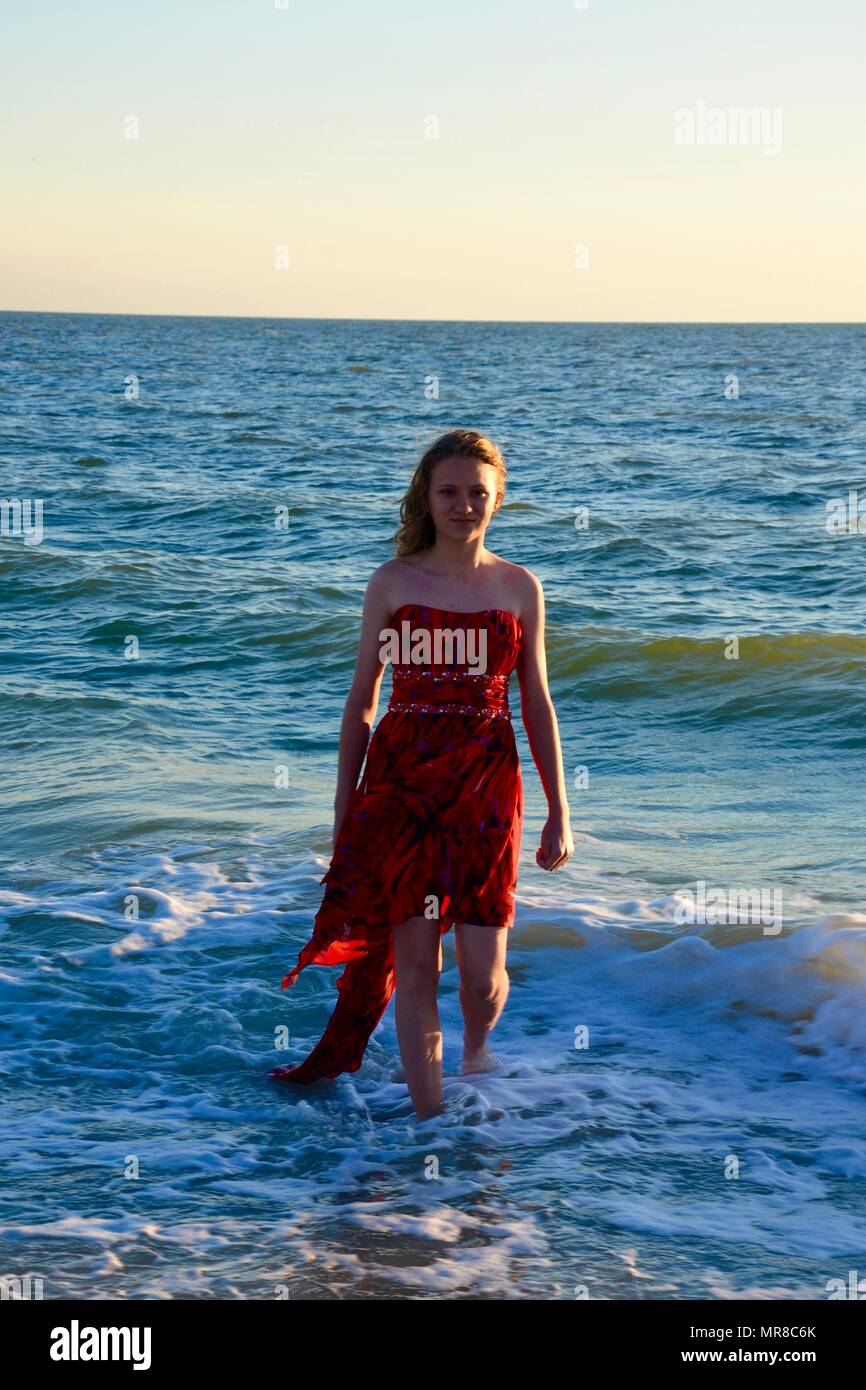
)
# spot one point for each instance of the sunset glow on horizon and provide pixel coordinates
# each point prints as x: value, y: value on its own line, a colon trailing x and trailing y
x: 493, y: 162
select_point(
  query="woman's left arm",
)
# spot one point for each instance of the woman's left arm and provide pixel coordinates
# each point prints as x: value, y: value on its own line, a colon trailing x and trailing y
x: 539, y: 720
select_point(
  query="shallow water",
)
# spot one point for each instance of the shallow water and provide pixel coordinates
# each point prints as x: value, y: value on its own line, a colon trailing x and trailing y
x: 151, y: 781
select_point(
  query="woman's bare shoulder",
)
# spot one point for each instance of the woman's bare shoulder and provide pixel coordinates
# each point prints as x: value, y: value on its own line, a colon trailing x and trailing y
x: 384, y: 583
x: 388, y: 572
x: 521, y: 583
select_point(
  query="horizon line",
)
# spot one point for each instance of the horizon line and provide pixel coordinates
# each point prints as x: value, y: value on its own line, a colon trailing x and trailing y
x: 346, y: 318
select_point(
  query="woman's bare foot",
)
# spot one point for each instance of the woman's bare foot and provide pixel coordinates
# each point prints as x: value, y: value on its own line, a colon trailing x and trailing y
x: 482, y: 1061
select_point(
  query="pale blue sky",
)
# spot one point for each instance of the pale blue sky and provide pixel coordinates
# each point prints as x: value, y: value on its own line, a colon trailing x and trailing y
x: 304, y: 127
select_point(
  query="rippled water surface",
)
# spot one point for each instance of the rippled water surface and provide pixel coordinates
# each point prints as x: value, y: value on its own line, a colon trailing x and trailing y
x: 707, y: 652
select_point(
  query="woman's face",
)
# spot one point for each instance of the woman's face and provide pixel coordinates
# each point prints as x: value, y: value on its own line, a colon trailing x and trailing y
x: 462, y: 497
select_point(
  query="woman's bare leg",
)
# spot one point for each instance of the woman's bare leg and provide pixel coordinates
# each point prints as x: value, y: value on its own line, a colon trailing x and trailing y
x: 484, y: 988
x: 417, y: 961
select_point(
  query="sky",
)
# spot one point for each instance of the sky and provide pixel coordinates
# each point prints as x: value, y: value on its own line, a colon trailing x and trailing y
x: 467, y: 159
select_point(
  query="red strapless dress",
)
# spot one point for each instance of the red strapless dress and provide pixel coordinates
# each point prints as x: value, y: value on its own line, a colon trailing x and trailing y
x: 437, y: 814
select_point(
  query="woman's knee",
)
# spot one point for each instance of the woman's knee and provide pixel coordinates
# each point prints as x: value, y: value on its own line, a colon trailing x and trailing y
x: 420, y: 979
x: 486, y: 987
x: 417, y: 953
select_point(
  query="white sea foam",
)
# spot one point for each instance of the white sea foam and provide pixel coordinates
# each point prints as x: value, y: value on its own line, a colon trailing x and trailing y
x: 153, y: 1039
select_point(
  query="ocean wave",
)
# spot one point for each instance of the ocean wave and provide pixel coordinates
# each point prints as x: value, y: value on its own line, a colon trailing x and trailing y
x: 684, y: 659
x: 144, y: 994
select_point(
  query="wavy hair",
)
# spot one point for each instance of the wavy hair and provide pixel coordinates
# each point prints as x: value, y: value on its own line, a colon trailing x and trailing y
x: 416, y: 531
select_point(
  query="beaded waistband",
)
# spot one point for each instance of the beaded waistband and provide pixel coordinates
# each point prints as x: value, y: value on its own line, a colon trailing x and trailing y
x: 414, y: 690
x: 437, y: 674
x: 417, y: 707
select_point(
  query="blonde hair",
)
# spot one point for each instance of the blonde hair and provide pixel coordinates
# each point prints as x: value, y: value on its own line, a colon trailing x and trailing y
x: 416, y: 531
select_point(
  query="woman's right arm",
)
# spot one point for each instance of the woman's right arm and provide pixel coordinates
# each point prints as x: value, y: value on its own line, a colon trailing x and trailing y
x: 363, y: 698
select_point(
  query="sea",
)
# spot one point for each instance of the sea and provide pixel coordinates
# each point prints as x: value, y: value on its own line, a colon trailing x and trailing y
x: 192, y: 508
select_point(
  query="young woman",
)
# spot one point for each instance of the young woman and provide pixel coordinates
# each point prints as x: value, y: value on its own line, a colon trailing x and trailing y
x: 431, y: 836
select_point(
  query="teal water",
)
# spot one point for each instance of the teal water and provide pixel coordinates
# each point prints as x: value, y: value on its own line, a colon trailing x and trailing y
x: 162, y: 450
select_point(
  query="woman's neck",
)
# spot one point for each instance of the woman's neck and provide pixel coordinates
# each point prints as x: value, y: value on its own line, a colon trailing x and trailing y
x: 456, y: 557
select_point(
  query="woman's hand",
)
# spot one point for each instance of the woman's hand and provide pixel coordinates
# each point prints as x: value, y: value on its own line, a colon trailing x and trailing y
x: 557, y: 846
